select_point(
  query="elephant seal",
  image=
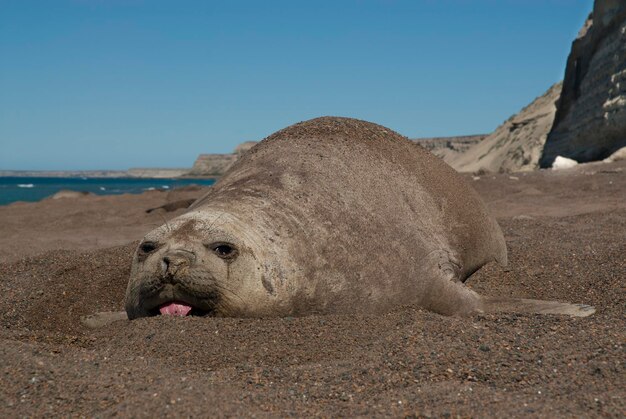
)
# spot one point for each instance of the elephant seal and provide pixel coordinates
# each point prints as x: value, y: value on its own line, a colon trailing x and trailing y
x: 331, y: 215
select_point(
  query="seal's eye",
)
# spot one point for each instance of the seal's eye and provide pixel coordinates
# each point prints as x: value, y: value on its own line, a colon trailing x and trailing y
x: 148, y: 247
x: 224, y: 250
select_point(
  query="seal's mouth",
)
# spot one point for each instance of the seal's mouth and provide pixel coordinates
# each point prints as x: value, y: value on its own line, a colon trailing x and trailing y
x: 178, y: 308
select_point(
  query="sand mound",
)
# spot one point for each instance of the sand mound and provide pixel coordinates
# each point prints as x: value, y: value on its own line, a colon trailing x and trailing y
x: 87, y: 223
x: 65, y: 193
x: 63, y: 285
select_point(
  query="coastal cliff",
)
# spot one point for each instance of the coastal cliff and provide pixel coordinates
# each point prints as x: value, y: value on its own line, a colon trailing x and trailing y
x: 582, y: 118
x: 211, y: 164
x: 516, y: 145
x: 214, y: 165
x: 448, y: 148
x: 590, y: 121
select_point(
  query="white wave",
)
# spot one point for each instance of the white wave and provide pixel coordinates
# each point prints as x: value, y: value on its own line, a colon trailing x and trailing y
x: 102, y: 188
x: 25, y: 185
x: 165, y: 187
x: 149, y: 189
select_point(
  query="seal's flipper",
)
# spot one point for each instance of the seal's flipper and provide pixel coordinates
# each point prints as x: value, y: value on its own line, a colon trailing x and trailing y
x: 522, y: 305
x: 98, y: 320
x: 451, y: 299
x: 445, y: 293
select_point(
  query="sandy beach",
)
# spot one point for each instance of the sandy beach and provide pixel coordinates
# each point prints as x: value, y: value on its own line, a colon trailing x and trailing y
x: 566, y: 234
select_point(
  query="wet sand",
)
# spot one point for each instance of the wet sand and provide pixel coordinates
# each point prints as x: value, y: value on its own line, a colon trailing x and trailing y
x: 566, y: 234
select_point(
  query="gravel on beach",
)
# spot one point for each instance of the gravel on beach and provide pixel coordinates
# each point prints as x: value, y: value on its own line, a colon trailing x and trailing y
x: 566, y: 234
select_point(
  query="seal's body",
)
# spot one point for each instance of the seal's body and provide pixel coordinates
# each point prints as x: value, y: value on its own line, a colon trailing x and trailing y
x: 331, y: 215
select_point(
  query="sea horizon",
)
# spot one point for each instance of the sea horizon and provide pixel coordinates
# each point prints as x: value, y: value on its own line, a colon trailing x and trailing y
x: 36, y: 188
x: 145, y: 172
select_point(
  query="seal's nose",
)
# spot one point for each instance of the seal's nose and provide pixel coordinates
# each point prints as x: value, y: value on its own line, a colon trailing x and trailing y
x: 176, y: 261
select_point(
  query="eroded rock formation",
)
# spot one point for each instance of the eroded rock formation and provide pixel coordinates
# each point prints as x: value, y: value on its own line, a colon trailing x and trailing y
x: 212, y: 164
x: 448, y: 148
x: 217, y: 164
x: 515, y: 145
x: 590, y: 123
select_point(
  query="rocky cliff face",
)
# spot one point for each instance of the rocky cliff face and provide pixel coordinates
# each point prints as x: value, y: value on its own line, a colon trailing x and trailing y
x: 590, y: 122
x: 214, y: 165
x: 515, y: 145
x: 448, y: 148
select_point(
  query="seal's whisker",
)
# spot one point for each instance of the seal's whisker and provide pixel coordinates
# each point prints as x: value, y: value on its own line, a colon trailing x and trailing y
x: 215, y: 220
x: 222, y: 287
x: 169, y: 228
x: 224, y: 309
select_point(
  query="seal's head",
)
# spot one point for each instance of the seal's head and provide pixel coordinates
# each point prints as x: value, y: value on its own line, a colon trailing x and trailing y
x: 199, y: 264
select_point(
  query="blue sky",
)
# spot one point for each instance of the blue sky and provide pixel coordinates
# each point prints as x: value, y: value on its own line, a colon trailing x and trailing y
x: 113, y: 84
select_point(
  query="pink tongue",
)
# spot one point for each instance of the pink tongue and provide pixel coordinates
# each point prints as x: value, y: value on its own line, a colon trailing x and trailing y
x: 175, y: 309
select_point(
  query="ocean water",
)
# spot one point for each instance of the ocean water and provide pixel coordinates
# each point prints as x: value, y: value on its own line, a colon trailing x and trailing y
x: 32, y: 189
